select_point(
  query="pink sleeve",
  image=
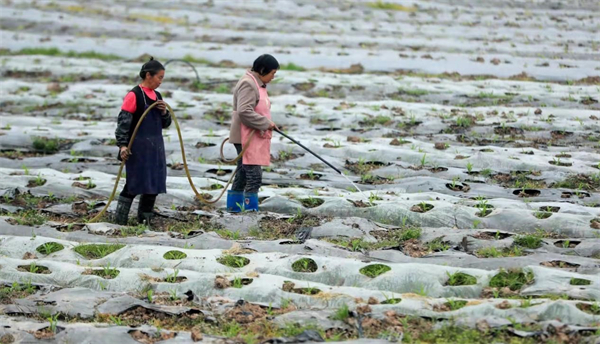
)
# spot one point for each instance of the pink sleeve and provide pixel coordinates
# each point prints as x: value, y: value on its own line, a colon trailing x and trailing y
x: 129, y: 103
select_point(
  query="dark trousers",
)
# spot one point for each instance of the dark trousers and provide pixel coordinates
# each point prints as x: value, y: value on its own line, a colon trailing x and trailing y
x: 248, y: 177
x: 126, y: 194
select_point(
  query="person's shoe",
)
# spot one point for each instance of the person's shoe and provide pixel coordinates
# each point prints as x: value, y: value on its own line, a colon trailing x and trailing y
x: 251, y: 201
x: 235, y: 201
x: 145, y: 209
x: 122, y: 212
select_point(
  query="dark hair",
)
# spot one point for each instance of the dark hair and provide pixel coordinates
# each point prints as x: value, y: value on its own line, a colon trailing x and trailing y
x: 152, y: 67
x: 264, y: 64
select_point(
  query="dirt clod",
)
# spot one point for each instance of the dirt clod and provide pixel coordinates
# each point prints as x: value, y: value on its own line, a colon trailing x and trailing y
x: 55, y: 87
x: 196, y: 335
x: 146, y: 338
x: 373, y: 301
x: 221, y: 282
x: 246, y: 313
x: 7, y: 338
x: 414, y: 248
x: 29, y: 255
x: 363, y: 309
x: 440, y: 146
x: 504, y: 305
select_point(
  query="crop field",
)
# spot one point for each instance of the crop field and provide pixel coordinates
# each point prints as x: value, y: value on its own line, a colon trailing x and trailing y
x: 471, y: 128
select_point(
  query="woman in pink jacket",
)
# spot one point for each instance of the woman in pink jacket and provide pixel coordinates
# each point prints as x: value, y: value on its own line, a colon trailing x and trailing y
x: 251, y: 113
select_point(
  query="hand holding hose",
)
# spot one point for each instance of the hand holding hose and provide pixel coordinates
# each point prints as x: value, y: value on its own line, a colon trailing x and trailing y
x: 124, y: 152
x: 162, y: 106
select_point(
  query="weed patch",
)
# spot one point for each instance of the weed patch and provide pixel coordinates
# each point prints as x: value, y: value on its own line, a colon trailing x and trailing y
x: 292, y: 66
x: 97, y: 251
x: 311, y: 202
x: 34, y: 269
x: 450, y: 305
x: 305, y: 265
x: 291, y: 288
x: 46, y: 145
x: 15, y: 291
x: 28, y: 218
x: 380, y: 5
x: 374, y: 270
x: 593, y: 308
x: 49, y: 247
x: 174, y: 255
x: 580, y: 182
x: 460, y: 278
x: 233, y: 261
x: 58, y: 52
x: 530, y: 241
x: 106, y: 272
x: 513, y: 279
x: 341, y: 313
x: 493, y: 252
x: 580, y: 281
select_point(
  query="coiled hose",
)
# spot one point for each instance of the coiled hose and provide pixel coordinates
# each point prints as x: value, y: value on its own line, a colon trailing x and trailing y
x: 185, y: 166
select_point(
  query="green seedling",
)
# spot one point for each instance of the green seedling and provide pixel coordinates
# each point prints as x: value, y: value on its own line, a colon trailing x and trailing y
x: 49, y: 247
x: 422, y: 291
x: 237, y: 283
x: 173, y: 294
x: 115, y: 320
x: 172, y: 277
x: 454, y: 182
x: 342, y: 313
x: 110, y: 272
x: 438, y: 245
x: 53, y: 320
x: 33, y: 268
x: 526, y: 303
x: 242, y: 206
x: 423, y: 160
x: 390, y: 300
x: 310, y: 290
x: 372, y: 198
x: 455, y: 304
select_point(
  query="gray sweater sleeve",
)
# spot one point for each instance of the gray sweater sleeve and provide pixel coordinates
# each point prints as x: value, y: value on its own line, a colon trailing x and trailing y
x: 123, y: 126
x: 246, y: 101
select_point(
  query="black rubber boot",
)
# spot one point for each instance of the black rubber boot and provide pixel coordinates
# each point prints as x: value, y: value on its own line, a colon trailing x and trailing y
x: 122, y: 213
x: 145, y: 209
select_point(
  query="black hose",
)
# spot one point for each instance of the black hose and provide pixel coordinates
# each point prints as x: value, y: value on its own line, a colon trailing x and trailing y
x: 188, y: 63
x: 198, y: 76
x: 308, y: 150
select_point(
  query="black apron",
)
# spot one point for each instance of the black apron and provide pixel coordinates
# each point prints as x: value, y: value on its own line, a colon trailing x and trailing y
x: 146, y: 167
